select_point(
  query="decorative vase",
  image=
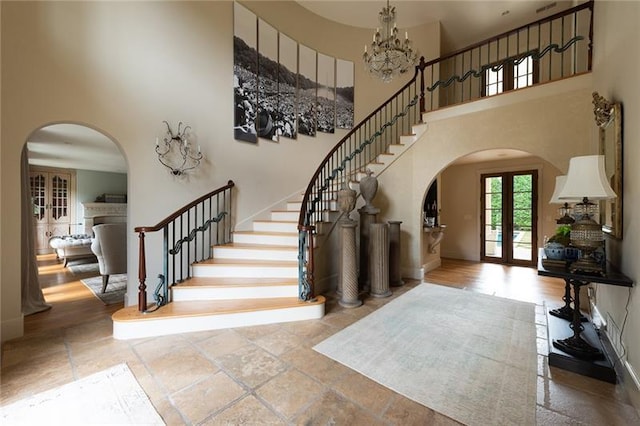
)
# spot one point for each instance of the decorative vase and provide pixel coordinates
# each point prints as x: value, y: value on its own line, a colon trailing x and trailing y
x: 368, y: 189
x: 346, y: 200
x: 554, y: 251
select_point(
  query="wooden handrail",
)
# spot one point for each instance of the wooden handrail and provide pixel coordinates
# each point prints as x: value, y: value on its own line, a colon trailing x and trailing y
x: 585, y: 5
x: 201, y: 224
x: 306, y: 222
x: 177, y: 213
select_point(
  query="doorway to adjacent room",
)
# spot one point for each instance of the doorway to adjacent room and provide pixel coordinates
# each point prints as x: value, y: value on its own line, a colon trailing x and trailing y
x: 508, y: 217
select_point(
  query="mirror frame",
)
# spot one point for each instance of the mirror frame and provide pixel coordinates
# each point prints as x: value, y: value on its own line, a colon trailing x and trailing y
x: 608, y: 116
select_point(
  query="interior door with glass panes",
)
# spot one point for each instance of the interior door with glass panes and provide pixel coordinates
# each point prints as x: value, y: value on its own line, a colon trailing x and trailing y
x: 509, y: 217
x: 51, y: 198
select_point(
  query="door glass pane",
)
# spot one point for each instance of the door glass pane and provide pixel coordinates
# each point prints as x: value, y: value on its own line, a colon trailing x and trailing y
x: 522, y: 217
x: 493, y: 217
x: 59, y: 197
x: 38, y: 192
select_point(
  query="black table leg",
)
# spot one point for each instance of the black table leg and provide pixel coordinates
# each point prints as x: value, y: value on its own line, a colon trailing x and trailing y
x: 566, y: 312
x: 575, y: 345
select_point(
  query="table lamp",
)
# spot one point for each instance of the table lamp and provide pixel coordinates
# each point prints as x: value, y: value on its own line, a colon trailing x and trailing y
x: 587, y: 180
x: 565, y: 217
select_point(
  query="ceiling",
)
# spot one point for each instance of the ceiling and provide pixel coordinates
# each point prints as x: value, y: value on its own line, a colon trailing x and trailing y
x: 73, y: 146
x: 462, y: 22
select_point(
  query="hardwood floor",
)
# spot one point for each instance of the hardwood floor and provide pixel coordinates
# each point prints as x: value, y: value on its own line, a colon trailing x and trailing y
x: 72, y: 302
x: 512, y: 282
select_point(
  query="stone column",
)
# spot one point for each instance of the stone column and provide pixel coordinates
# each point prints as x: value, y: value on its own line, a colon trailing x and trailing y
x: 395, y: 275
x: 367, y: 217
x: 346, y: 203
x: 348, y: 272
x: 379, y: 260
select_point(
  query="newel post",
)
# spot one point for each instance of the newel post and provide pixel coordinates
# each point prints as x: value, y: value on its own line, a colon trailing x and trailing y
x: 142, y: 274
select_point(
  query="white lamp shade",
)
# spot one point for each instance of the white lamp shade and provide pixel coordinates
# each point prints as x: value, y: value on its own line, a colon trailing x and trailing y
x: 586, y: 178
x: 555, y: 198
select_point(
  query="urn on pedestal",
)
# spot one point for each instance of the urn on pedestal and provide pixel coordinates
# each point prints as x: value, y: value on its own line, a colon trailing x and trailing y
x: 346, y: 200
x: 368, y: 189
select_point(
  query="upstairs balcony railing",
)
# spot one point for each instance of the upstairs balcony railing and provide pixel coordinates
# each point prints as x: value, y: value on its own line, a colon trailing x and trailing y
x: 188, y: 236
x: 549, y: 49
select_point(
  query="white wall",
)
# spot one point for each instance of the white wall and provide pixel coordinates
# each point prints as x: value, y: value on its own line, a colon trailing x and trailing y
x: 616, y: 67
x: 124, y: 67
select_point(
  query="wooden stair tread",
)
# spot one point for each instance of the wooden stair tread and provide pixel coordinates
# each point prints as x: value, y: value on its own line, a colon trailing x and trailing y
x: 275, y: 221
x: 246, y: 262
x: 234, y: 282
x: 249, y: 246
x: 275, y: 234
x: 211, y: 307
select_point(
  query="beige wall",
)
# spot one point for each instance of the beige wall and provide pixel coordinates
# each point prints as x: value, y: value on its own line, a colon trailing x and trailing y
x: 551, y: 122
x: 460, y: 207
x: 124, y: 67
x: 616, y: 66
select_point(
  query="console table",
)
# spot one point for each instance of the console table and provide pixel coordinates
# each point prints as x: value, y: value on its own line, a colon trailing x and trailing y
x: 576, y: 345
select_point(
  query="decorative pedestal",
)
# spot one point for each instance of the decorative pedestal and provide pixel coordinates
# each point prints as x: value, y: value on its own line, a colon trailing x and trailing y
x: 435, y: 234
x: 379, y: 260
x: 367, y: 218
x: 395, y: 276
x: 349, y: 273
x: 346, y: 203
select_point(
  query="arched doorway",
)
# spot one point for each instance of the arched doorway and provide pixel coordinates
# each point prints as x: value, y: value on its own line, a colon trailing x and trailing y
x: 463, y: 208
x: 70, y: 165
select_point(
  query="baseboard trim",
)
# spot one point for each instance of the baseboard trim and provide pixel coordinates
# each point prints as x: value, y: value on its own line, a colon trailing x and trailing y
x: 627, y: 376
x: 12, y: 328
x: 432, y: 264
x: 413, y: 273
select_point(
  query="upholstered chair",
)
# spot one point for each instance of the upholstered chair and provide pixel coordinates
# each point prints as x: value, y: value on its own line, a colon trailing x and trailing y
x: 110, y: 247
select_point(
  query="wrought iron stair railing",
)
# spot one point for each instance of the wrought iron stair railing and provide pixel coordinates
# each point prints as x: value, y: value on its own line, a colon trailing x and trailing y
x: 555, y: 47
x: 188, y: 236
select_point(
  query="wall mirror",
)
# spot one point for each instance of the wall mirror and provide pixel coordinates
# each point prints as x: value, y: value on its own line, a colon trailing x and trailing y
x: 608, y: 117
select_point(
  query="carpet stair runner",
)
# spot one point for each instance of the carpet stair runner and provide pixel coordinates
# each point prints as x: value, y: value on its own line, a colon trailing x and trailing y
x: 252, y: 280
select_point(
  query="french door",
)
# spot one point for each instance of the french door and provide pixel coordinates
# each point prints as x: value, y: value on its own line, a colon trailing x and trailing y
x: 509, y: 217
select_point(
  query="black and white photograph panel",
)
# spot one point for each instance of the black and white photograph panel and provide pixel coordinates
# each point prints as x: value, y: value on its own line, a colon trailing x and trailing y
x: 267, y: 81
x: 245, y: 69
x: 326, y: 105
x: 307, y: 91
x: 286, y: 123
x: 344, y: 94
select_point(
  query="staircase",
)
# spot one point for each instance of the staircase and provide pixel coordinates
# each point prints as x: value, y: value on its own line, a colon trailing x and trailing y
x: 252, y: 280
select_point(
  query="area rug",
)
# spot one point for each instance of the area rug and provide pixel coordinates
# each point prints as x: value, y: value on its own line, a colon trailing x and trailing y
x: 84, y: 268
x: 115, y: 291
x: 112, y: 397
x: 466, y: 355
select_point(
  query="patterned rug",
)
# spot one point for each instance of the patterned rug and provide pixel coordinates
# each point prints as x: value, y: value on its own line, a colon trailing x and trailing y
x: 110, y: 397
x: 466, y: 355
x: 83, y: 267
x: 116, y: 288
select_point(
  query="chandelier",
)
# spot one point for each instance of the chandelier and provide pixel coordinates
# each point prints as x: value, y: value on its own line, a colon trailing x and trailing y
x: 389, y: 55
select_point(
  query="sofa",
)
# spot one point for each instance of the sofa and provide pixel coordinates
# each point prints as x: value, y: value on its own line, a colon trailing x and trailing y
x: 110, y: 247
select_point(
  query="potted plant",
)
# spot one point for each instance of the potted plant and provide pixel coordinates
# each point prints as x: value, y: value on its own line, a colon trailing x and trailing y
x: 554, y: 247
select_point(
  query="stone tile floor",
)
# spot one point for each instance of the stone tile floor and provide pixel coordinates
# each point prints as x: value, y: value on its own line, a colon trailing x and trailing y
x: 271, y: 375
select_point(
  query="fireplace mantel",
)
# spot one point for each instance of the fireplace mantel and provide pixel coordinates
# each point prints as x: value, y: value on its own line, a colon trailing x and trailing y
x: 93, y: 210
